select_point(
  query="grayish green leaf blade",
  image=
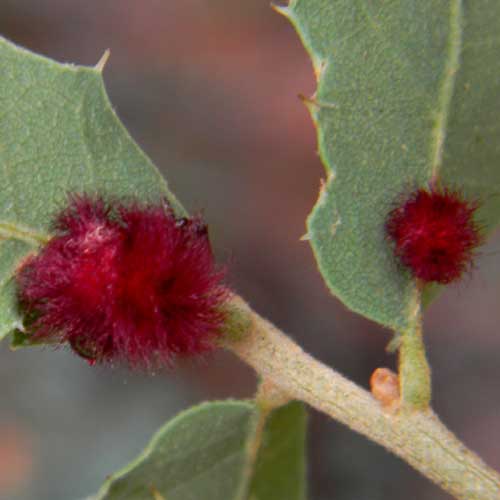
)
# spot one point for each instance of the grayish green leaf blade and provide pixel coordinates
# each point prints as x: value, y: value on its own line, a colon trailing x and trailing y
x: 407, y: 92
x: 280, y: 469
x: 10, y: 253
x: 58, y: 134
x: 203, y: 453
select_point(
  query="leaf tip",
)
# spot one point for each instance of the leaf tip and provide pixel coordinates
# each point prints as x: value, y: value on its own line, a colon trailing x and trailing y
x: 284, y: 10
x: 102, y: 61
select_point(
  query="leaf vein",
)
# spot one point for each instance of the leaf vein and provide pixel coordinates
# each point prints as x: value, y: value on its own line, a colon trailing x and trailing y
x: 448, y: 85
x: 9, y: 230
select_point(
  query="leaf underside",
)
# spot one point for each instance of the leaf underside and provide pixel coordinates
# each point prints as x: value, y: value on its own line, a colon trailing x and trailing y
x: 407, y: 92
x: 203, y: 453
x: 58, y: 134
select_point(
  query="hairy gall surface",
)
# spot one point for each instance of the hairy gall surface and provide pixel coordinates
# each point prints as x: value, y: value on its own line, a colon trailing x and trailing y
x: 124, y: 282
x: 434, y: 234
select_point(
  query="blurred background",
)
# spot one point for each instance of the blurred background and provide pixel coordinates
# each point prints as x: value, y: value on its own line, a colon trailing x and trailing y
x: 209, y: 89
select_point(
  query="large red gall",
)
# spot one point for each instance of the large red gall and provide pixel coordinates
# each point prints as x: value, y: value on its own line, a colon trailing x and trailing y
x: 124, y: 282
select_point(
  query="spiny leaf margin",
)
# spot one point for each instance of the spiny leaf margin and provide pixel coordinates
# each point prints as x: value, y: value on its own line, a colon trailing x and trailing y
x: 58, y: 134
x: 407, y: 93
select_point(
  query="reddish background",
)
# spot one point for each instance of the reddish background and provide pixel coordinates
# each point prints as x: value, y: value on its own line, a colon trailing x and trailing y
x: 209, y: 90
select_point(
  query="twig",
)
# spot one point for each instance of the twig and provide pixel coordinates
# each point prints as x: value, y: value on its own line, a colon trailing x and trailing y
x: 418, y: 437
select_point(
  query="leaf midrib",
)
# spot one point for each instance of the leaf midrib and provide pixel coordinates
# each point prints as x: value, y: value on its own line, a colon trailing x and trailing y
x: 451, y: 68
x: 252, y: 447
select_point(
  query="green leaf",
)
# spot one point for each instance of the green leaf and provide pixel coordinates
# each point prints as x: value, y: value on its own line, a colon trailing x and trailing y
x: 11, y: 251
x: 407, y: 92
x: 208, y: 452
x: 58, y: 134
x: 280, y: 466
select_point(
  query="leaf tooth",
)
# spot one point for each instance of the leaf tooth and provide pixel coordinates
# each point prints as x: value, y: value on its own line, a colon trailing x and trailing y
x: 284, y: 10
x: 319, y: 66
x: 102, y: 61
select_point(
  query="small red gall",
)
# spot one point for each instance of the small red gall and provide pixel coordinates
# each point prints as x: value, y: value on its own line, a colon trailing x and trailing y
x: 435, y: 234
x: 124, y: 282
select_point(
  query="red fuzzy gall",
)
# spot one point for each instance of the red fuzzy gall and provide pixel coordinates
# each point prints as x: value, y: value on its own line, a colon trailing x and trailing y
x: 124, y: 282
x: 435, y: 234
